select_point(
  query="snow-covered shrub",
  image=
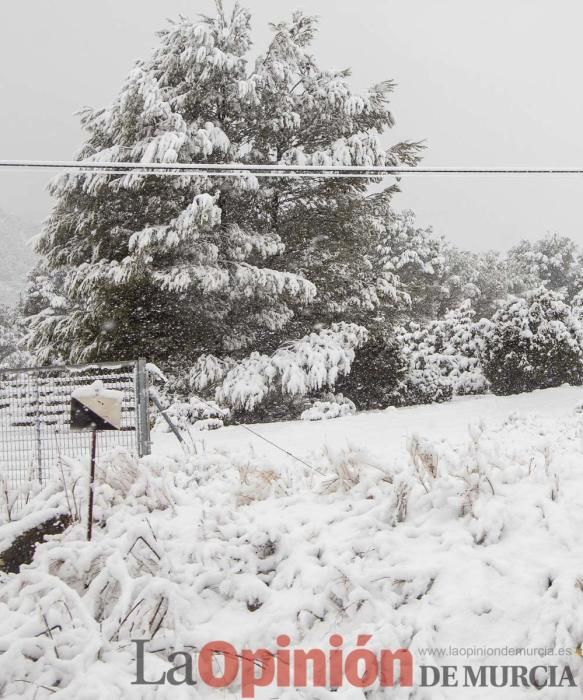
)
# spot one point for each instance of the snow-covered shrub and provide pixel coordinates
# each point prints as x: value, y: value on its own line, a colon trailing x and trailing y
x: 195, y: 413
x: 332, y: 406
x: 257, y: 484
x: 425, y: 378
x: 353, y: 469
x: 464, y: 339
x: 374, y: 374
x: 533, y: 343
x: 443, y: 357
x: 425, y: 382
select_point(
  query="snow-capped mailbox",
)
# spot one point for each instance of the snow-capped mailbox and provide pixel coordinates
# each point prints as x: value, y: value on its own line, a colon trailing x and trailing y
x: 96, y: 408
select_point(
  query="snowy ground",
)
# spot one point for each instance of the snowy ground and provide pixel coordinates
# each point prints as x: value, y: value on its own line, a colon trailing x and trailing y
x: 385, y: 432
x: 414, y: 529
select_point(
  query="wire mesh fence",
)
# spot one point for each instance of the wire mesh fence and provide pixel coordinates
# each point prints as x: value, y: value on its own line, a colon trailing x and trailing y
x: 35, y: 414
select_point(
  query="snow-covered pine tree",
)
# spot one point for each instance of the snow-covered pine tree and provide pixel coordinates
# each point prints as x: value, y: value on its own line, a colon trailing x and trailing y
x: 153, y: 265
x: 11, y: 335
x: 554, y: 261
x: 44, y: 303
x: 533, y: 343
x: 183, y: 267
x: 481, y: 277
x: 8, y: 335
x: 434, y: 274
x: 410, y: 260
x: 413, y: 254
x: 577, y: 306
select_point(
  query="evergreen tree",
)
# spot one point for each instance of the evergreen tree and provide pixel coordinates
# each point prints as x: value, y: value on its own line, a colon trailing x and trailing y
x: 175, y: 268
x: 44, y: 304
x: 11, y: 336
x: 554, y: 261
x: 577, y: 306
x: 533, y: 343
x: 480, y: 277
x: 414, y: 255
x: 8, y: 334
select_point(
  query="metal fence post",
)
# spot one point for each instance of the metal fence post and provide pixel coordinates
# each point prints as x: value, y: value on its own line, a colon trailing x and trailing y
x: 39, y: 456
x: 142, y: 408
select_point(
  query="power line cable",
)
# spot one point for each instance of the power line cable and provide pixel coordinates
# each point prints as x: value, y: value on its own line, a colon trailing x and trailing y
x: 271, y: 170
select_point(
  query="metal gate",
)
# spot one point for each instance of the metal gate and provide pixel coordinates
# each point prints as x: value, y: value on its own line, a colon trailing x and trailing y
x: 35, y: 413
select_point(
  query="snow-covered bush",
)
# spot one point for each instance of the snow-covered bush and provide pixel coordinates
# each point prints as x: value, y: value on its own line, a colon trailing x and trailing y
x: 353, y: 469
x: 533, y: 343
x: 375, y: 373
x: 425, y: 381
x: 443, y: 357
x: 195, y: 413
x: 331, y: 406
x: 464, y: 339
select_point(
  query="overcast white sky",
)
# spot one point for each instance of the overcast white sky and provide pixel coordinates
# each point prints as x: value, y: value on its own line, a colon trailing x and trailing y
x: 485, y: 83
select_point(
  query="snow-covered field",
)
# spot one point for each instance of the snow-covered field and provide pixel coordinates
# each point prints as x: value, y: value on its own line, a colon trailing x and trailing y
x: 456, y: 525
x: 386, y: 432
